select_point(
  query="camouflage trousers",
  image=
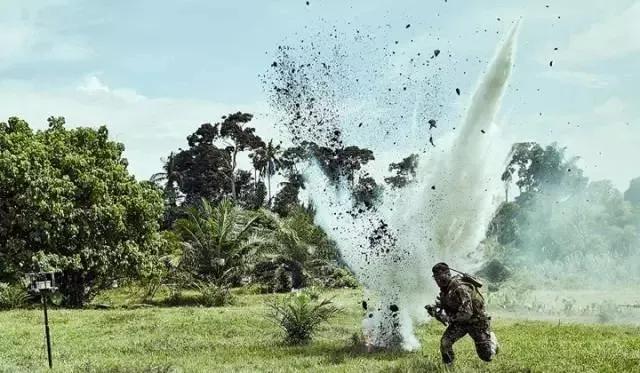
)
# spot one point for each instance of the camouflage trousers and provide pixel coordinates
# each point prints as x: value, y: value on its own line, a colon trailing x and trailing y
x: 479, y: 331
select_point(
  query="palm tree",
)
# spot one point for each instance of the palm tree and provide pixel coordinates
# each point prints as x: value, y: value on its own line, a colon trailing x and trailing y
x: 171, y: 178
x: 267, y: 161
x: 292, y: 237
x: 219, y: 240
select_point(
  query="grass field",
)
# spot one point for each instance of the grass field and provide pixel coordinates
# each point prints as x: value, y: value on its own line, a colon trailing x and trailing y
x: 238, y: 338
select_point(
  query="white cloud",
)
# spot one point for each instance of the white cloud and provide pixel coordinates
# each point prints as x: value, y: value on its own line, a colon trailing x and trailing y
x: 93, y: 86
x: 613, y: 37
x: 150, y: 128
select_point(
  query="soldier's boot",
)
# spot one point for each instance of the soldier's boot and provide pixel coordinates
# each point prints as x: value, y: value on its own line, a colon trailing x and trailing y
x: 495, y: 346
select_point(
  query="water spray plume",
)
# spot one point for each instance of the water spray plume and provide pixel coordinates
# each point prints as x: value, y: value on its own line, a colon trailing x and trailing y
x: 465, y: 177
x: 441, y: 217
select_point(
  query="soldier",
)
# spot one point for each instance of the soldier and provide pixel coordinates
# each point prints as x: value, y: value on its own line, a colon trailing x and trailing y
x: 460, y: 307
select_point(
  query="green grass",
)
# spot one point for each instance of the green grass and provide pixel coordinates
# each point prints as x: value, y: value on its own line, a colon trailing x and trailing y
x: 238, y: 338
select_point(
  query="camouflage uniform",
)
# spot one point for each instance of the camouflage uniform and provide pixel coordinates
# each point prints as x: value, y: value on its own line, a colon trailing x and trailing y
x: 464, y: 307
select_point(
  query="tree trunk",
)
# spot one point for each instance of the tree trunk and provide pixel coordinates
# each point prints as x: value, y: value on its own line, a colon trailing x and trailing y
x: 72, y: 288
x: 269, y: 187
x: 233, y: 174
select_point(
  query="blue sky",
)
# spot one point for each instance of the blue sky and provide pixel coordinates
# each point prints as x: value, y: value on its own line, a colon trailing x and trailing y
x: 153, y: 71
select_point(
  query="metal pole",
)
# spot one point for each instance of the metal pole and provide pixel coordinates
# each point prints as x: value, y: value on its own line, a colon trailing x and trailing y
x: 46, y: 328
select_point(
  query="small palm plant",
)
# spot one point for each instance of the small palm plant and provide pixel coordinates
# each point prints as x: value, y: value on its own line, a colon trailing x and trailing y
x: 219, y: 240
x: 299, y: 315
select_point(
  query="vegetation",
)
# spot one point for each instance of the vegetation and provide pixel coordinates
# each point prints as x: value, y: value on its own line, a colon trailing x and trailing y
x: 218, y: 241
x: 68, y: 203
x: 12, y: 296
x: 300, y: 314
x: 239, y: 338
x: 205, y: 233
x: 560, y: 228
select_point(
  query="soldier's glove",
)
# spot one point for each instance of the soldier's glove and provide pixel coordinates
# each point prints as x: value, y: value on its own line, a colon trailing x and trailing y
x: 437, y: 314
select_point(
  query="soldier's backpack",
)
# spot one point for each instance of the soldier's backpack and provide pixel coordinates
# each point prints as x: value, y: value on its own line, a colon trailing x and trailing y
x: 477, y: 300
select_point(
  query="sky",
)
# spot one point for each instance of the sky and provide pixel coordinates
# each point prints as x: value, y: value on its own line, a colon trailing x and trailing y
x: 154, y: 71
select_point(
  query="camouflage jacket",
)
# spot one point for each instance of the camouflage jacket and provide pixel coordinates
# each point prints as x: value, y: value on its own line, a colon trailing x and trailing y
x: 462, y: 302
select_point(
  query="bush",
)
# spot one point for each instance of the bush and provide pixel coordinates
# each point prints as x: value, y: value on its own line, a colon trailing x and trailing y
x: 494, y: 271
x: 162, y: 270
x: 12, y: 296
x: 212, y: 295
x: 329, y: 274
x: 282, y: 281
x: 252, y: 289
x: 299, y: 314
x: 279, y: 274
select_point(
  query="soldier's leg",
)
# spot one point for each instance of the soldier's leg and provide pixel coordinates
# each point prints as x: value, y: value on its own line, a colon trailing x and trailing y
x: 453, y: 333
x: 484, y: 339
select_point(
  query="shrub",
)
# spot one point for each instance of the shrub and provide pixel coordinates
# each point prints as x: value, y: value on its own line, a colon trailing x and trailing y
x: 282, y: 281
x: 252, y: 289
x: 163, y: 268
x: 329, y: 274
x: 494, y: 271
x: 12, y: 296
x: 212, y: 295
x: 298, y: 315
x: 279, y: 274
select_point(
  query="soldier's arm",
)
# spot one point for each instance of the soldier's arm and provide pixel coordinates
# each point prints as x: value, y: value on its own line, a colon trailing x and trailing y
x: 465, y: 311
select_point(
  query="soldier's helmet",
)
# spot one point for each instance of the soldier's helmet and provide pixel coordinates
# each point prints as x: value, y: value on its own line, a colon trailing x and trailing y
x: 440, y: 268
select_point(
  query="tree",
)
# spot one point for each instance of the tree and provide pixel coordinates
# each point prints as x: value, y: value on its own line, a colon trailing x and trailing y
x: 543, y: 175
x: 238, y: 137
x: 171, y: 177
x: 253, y: 195
x: 293, y: 249
x: 405, y: 172
x: 543, y: 170
x: 504, y: 225
x: 209, y: 170
x: 267, y: 161
x: 341, y: 162
x: 633, y: 193
x: 68, y: 203
x: 287, y: 198
x: 169, y: 180
x: 203, y: 167
x: 251, y: 192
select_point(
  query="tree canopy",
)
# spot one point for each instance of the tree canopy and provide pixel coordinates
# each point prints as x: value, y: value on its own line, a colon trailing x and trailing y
x: 209, y: 167
x: 68, y: 203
